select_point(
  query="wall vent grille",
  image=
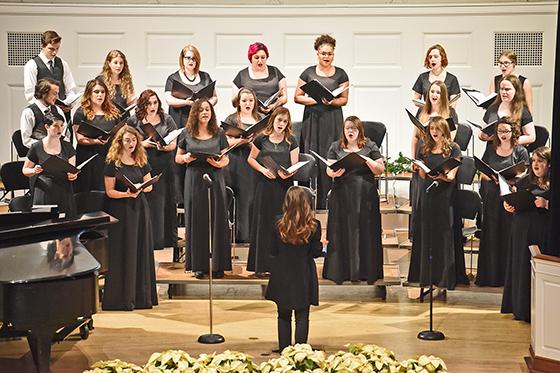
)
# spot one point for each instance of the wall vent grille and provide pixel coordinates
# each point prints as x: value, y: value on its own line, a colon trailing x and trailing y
x: 527, y: 46
x: 22, y: 46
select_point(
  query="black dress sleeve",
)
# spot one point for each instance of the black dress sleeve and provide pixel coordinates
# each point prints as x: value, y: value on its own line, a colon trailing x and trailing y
x: 32, y: 153
x: 417, y: 87
x: 278, y: 73
x: 169, y: 123
x: 79, y: 116
x: 223, y: 139
x: 146, y: 169
x: 110, y: 169
x: 315, y: 245
x: 305, y: 75
x: 169, y: 83
x: 259, y: 142
x: 343, y: 76
x: 521, y: 155
x: 275, y: 240
x: 455, y: 151
x: 67, y: 149
x: 237, y: 79
x: 331, y: 154
x: 526, y: 117
x: 293, y: 142
x: 453, y: 88
x: 374, y: 152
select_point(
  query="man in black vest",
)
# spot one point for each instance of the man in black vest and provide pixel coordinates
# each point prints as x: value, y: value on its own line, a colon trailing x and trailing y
x: 32, y: 117
x: 47, y: 65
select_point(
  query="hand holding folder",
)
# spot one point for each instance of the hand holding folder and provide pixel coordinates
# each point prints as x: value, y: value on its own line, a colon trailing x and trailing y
x: 255, y: 129
x: 479, y: 99
x: 276, y: 169
x: 350, y: 162
x: 441, y: 169
x: 56, y: 166
x: 136, y: 187
x: 510, y: 174
x: 153, y: 134
x: 488, y: 128
x: 318, y: 91
x: 184, y: 92
x: 425, y: 127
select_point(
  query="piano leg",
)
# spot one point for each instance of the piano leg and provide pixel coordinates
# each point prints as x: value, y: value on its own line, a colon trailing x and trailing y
x: 40, y: 339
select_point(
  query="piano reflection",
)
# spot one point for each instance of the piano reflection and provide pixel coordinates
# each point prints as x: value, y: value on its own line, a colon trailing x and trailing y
x: 48, y: 279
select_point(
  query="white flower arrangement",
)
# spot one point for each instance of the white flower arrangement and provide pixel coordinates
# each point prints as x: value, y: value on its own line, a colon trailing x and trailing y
x: 113, y: 366
x: 347, y: 362
x: 170, y: 361
x: 304, y: 359
x: 380, y: 358
x: 229, y: 361
x: 424, y: 364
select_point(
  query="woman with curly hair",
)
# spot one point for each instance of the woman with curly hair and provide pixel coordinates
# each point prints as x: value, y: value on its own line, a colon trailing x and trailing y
x: 322, y: 121
x: 131, y: 282
x: 149, y: 113
x: 293, y: 284
x: 434, y: 215
x: 97, y: 109
x: 116, y: 76
x: 203, y: 138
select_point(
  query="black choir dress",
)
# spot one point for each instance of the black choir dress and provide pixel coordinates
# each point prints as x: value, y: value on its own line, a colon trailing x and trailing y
x: 529, y: 227
x: 492, y: 114
x: 422, y: 85
x: 162, y: 201
x: 322, y: 125
x: 196, y: 207
x: 53, y: 189
x: 293, y: 282
x: 90, y: 177
x: 268, y: 200
x: 496, y: 222
x: 180, y: 116
x: 498, y: 80
x: 354, y: 251
x: 119, y: 100
x: 434, y: 229
x: 131, y: 280
x: 265, y: 87
x: 241, y: 177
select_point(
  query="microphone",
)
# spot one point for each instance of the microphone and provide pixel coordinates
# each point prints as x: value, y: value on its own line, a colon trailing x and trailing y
x: 206, y: 178
x: 434, y: 184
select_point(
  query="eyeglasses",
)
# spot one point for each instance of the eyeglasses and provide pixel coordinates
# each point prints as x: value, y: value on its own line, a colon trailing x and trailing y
x: 505, y: 63
x: 326, y: 54
x: 503, y: 132
x: 189, y: 58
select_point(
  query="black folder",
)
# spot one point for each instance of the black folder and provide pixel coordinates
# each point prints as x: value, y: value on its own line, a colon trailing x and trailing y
x: 55, y: 165
x: 90, y: 130
x: 130, y: 185
x: 422, y: 127
x: 216, y: 156
x: 479, y: 98
x: 489, y: 129
x: 350, y: 162
x: 442, y: 168
x: 182, y: 91
x: 269, y: 100
x: 510, y: 173
x: 255, y: 129
x: 522, y: 200
x: 318, y: 91
x: 274, y: 167
x: 124, y: 111
x: 156, y: 137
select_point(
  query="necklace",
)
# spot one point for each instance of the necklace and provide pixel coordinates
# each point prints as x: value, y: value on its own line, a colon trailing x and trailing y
x: 189, y: 79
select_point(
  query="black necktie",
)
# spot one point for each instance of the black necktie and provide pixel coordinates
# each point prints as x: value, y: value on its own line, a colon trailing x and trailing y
x: 51, y: 66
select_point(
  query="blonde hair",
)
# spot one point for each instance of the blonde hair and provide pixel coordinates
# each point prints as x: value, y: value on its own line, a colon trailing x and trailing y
x: 110, y: 111
x: 115, y: 151
x: 280, y: 110
x: 127, y: 88
x: 444, y: 111
x: 297, y: 222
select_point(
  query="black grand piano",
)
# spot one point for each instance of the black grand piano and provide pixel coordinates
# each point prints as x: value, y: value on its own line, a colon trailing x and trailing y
x: 48, y: 279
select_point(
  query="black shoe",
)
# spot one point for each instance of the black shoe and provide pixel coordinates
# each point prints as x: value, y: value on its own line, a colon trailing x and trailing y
x: 276, y: 351
x: 199, y: 274
x: 262, y: 274
x: 218, y: 274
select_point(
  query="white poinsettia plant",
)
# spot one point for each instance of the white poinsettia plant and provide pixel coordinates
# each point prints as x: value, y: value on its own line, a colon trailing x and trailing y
x: 380, y: 359
x: 113, y: 366
x: 228, y: 361
x: 424, y: 364
x: 304, y: 358
x: 347, y: 362
x: 170, y: 361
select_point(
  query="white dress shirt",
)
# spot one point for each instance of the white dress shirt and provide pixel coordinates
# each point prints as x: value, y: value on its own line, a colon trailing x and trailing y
x: 27, y: 123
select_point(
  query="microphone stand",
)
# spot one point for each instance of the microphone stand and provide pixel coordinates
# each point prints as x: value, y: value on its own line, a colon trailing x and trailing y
x: 210, y: 338
x: 431, y: 334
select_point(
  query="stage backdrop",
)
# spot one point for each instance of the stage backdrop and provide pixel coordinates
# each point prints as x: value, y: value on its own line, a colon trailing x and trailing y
x: 381, y: 47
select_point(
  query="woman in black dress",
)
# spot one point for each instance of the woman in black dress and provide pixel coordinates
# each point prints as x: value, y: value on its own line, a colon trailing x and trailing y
x: 203, y: 135
x: 56, y: 188
x: 528, y: 227
x: 436, y: 61
x: 239, y: 175
x: 434, y: 216
x: 96, y: 108
x: 354, y: 251
x: 117, y: 78
x: 161, y: 158
x: 189, y: 73
x: 496, y: 223
x: 511, y: 103
x: 322, y: 121
x: 278, y: 144
x: 265, y: 80
x: 293, y: 284
x: 507, y: 63
x: 131, y: 282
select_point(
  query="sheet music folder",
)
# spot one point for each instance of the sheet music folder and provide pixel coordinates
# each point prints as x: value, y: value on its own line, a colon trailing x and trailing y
x: 350, y: 162
x: 182, y: 91
x: 134, y: 188
x: 156, y: 137
x: 274, y: 167
x: 56, y: 165
x: 426, y: 127
x: 509, y: 173
x: 234, y: 131
x: 318, y: 91
x: 442, y: 168
x: 91, y: 131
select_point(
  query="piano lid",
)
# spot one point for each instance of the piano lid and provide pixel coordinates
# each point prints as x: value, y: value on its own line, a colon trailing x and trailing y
x: 47, y: 260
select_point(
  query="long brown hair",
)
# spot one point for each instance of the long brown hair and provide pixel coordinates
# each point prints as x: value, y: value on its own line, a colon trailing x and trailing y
x: 142, y: 105
x: 110, y: 111
x: 115, y: 151
x: 544, y: 153
x: 361, y: 132
x: 515, y: 131
x: 444, y: 111
x: 280, y: 110
x: 127, y: 88
x: 297, y: 222
x: 192, y: 122
x: 518, y: 101
x: 430, y: 144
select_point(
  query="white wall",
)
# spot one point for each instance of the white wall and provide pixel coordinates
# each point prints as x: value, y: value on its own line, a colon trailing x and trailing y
x: 381, y: 48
